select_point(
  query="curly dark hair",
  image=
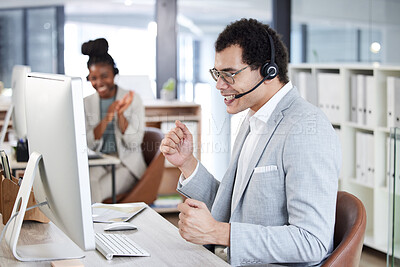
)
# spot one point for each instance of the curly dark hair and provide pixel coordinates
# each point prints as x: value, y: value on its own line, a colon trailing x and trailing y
x: 252, y: 36
x: 97, y: 51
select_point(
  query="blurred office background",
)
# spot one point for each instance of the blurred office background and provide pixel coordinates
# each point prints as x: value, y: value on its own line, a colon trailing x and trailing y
x: 47, y: 35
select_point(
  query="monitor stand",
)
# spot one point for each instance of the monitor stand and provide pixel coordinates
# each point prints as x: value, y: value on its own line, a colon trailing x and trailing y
x: 37, y: 252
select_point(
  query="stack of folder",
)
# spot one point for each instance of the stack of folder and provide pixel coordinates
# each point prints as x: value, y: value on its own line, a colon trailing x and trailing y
x: 307, y: 87
x: 392, y: 166
x: 363, y: 100
x: 329, y: 95
x: 393, y: 101
x: 365, y: 158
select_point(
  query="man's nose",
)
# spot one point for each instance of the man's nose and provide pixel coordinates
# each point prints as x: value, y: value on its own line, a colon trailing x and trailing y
x: 221, y: 84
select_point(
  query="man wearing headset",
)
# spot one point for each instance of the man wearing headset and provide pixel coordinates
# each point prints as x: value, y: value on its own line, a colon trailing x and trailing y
x: 276, y: 202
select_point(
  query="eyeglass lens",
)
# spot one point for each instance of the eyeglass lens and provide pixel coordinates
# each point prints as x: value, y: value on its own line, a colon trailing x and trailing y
x: 226, y: 76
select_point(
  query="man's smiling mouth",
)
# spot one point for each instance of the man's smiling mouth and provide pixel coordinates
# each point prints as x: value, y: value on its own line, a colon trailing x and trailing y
x: 229, y: 97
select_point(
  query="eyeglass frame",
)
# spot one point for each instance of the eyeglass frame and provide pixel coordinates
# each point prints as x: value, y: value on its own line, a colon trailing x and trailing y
x: 231, y: 75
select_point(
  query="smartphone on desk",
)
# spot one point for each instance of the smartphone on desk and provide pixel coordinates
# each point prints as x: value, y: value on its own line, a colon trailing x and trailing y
x: 5, y: 164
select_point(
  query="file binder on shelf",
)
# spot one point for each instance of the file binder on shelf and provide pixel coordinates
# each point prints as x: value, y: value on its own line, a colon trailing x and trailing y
x: 393, y: 101
x: 369, y: 104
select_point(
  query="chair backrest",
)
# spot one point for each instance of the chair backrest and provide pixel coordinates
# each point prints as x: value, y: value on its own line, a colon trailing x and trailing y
x: 350, y: 227
x: 146, y: 190
x: 151, y: 143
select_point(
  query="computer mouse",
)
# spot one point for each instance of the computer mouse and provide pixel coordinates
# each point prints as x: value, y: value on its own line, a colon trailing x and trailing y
x: 120, y: 226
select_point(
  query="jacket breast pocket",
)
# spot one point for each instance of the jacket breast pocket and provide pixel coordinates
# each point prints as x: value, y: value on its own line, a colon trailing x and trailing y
x: 266, y: 182
x: 265, y: 169
x: 265, y: 194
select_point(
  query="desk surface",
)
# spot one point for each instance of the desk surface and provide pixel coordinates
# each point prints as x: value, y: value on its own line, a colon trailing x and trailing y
x: 105, y: 160
x: 156, y: 235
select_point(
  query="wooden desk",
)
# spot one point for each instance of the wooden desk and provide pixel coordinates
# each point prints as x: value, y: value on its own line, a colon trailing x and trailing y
x: 106, y: 160
x: 156, y: 235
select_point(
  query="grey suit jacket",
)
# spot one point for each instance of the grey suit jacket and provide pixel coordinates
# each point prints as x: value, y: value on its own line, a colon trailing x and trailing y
x: 286, y: 213
x: 128, y: 144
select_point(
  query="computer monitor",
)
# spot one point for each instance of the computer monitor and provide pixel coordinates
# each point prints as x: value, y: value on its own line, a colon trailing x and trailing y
x: 141, y: 84
x: 16, y: 110
x: 18, y: 99
x: 57, y: 167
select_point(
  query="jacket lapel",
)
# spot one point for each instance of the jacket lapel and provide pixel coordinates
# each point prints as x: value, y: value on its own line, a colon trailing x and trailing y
x: 221, y: 209
x: 273, y: 122
x: 237, y: 148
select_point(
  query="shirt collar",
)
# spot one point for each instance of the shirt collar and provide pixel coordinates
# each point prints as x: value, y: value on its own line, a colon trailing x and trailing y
x: 264, y: 113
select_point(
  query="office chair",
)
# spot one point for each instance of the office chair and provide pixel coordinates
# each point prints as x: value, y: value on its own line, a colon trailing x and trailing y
x: 147, y: 188
x: 350, y: 227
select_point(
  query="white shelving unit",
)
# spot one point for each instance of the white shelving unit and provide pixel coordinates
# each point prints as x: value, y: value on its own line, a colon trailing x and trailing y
x: 374, y: 195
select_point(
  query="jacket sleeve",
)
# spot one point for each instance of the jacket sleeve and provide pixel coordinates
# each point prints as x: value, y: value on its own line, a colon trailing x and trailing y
x: 203, y: 187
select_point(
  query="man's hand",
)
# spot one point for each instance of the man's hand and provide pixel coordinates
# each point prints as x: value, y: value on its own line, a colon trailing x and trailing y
x: 197, y: 225
x: 177, y: 147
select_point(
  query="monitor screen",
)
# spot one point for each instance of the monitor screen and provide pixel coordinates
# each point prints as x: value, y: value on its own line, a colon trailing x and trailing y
x: 18, y: 99
x: 56, y: 131
x: 141, y: 84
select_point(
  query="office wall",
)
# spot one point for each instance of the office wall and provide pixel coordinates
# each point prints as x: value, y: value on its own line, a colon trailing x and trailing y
x: 11, y: 39
x: 31, y: 37
x: 333, y: 28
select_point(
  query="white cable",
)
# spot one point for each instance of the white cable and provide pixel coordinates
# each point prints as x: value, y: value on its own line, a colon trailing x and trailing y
x: 15, y: 215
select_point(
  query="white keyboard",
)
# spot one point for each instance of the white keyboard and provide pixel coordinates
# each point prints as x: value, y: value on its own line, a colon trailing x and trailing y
x: 117, y: 245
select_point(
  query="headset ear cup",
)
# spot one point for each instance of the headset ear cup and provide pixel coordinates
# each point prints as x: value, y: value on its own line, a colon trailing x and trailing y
x: 264, y: 69
x: 270, y: 70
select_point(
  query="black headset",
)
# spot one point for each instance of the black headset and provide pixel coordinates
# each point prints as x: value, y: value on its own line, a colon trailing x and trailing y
x: 270, y: 69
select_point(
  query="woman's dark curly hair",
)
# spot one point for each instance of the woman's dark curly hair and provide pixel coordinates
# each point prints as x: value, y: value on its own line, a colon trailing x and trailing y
x: 97, y: 51
x: 251, y: 35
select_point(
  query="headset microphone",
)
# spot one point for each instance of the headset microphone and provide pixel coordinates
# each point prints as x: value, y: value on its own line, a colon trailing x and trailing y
x: 269, y: 70
x: 252, y: 89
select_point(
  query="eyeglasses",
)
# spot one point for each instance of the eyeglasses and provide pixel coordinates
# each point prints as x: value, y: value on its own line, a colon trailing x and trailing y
x: 226, y: 76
